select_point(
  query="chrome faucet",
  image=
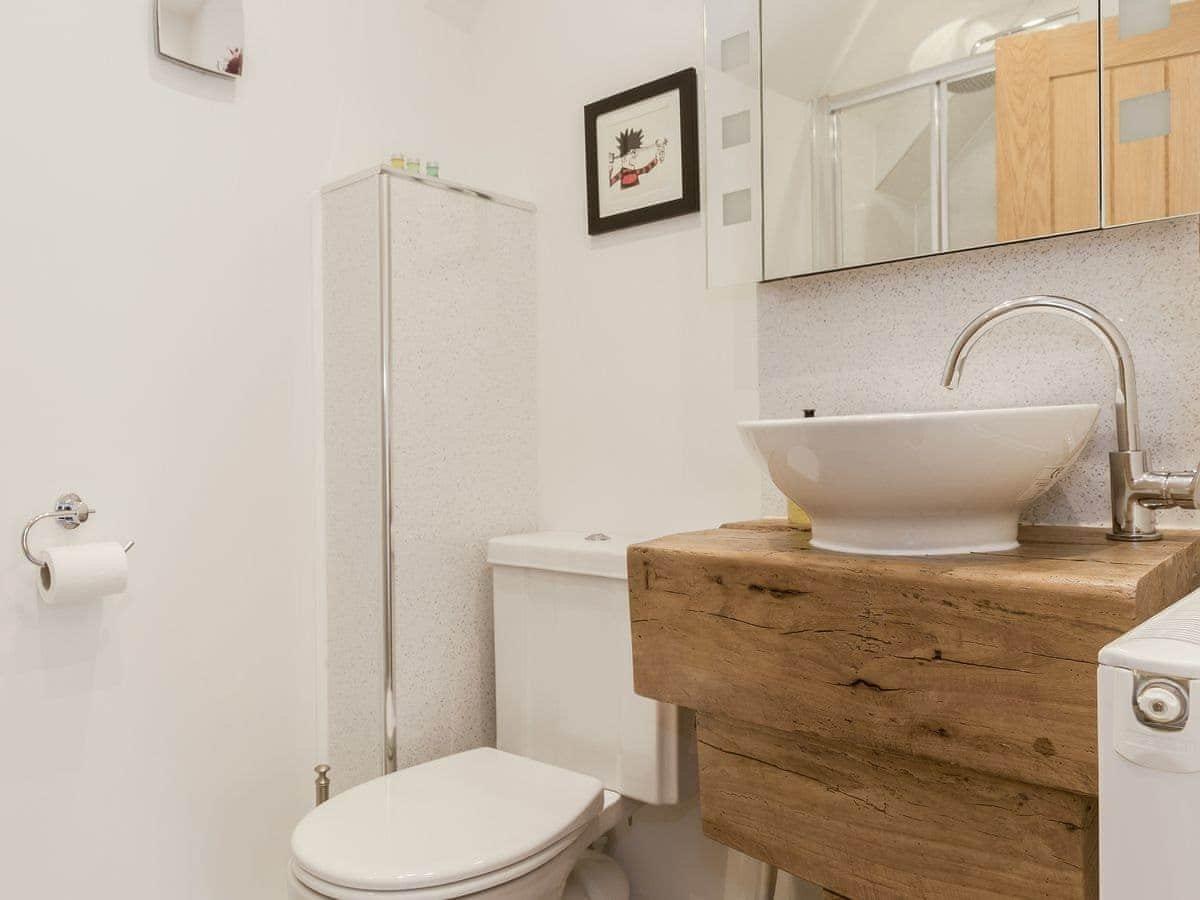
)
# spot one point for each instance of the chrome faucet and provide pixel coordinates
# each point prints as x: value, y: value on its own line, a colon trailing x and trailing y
x: 1136, y: 490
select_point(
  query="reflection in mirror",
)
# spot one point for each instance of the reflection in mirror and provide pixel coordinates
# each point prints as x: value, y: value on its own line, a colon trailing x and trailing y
x: 883, y: 212
x: 1152, y: 109
x: 898, y: 129
x: 202, y: 34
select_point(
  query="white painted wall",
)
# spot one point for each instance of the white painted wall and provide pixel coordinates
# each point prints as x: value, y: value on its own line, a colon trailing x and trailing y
x: 157, y: 257
x: 643, y: 372
x: 156, y: 268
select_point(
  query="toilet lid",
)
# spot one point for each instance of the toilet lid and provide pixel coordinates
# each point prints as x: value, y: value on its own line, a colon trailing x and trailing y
x: 445, y: 821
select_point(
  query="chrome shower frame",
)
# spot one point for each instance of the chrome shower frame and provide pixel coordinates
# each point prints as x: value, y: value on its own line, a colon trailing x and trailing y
x: 385, y: 375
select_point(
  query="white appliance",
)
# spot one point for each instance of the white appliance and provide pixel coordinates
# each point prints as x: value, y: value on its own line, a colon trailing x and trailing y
x: 1149, y: 746
x: 576, y: 749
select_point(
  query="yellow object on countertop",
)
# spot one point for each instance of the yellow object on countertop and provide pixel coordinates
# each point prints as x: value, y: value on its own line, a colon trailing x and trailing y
x: 799, y: 517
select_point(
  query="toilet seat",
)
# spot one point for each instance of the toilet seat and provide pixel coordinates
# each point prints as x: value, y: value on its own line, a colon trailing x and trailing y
x: 467, y: 888
x: 444, y: 829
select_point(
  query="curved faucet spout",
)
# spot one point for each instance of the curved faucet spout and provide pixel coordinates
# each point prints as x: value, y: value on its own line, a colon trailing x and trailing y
x: 1128, y: 432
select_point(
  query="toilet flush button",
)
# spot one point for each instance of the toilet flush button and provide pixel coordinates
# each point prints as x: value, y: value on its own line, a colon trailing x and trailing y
x: 1161, y: 704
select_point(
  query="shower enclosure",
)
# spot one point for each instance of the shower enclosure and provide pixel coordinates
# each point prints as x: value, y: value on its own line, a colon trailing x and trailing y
x: 429, y: 356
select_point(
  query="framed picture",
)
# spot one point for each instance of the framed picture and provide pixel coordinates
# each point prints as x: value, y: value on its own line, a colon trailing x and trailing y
x: 643, y: 154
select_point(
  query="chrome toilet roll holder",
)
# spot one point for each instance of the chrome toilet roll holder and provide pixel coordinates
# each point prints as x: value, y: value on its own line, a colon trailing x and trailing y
x: 70, y: 511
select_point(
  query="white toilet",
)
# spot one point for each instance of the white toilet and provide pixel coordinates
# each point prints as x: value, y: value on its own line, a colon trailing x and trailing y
x: 578, y: 749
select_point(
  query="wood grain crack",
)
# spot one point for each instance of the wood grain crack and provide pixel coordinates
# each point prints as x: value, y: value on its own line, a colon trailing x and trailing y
x: 856, y: 634
x: 777, y: 593
x: 870, y: 685
x: 727, y: 617
x: 938, y: 657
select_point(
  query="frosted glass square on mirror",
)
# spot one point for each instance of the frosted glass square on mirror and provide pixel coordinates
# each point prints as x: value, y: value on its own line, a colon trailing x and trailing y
x: 1138, y: 17
x: 208, y: 35
x: 909, y: 127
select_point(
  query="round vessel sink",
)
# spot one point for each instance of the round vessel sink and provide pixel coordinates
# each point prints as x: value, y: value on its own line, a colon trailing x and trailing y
x: 920, y: 484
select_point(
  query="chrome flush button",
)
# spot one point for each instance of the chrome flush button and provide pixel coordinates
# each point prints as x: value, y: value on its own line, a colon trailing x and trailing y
x: 1161, y: 703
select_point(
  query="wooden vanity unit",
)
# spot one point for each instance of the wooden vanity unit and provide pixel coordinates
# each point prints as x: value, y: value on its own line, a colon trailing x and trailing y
x: 897, y: 727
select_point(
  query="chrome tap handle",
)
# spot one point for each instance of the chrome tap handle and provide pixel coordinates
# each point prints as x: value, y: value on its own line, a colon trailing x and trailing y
x: 1182, y: 488
x: 1165, y: 490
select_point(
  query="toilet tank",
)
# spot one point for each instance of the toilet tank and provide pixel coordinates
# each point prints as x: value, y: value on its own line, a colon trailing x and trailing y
x: 564, y: 666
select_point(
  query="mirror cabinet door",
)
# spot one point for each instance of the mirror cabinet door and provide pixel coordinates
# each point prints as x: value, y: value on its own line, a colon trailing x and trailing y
x: 1151, y: 84
x: 900, y: 129
x: 912, y: 127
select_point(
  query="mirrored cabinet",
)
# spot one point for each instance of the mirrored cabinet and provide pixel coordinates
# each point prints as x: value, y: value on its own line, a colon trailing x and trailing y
x: 860, y: 132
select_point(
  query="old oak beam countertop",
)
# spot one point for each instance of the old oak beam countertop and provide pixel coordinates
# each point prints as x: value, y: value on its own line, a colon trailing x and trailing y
x: 897, y: 726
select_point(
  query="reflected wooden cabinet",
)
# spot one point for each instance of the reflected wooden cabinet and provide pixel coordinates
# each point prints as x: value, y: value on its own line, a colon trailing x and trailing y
x: 898, y: 130
x: 1047, y: 133
x: 1153, y: 175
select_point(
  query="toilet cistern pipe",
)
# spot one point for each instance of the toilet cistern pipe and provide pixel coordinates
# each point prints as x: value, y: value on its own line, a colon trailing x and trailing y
x: 1136, y: 491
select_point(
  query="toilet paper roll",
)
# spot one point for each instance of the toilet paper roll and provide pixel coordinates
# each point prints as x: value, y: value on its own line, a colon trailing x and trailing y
x: 83, y: 572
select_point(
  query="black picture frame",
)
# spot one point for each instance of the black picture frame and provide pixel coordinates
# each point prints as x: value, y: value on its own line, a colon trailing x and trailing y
x: 689, y: 130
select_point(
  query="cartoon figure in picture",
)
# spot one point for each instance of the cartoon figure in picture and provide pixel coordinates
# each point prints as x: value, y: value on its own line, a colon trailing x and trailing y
x: 625, y: 167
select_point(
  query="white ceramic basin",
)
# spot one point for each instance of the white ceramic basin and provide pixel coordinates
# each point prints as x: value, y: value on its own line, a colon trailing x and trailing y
x: 921, y: 484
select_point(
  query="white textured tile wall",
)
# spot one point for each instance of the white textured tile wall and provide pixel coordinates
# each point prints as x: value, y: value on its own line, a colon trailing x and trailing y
x: 876, y: 340
x: 464, y: 449
x: 354, y: 546
x: 463, y: 459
